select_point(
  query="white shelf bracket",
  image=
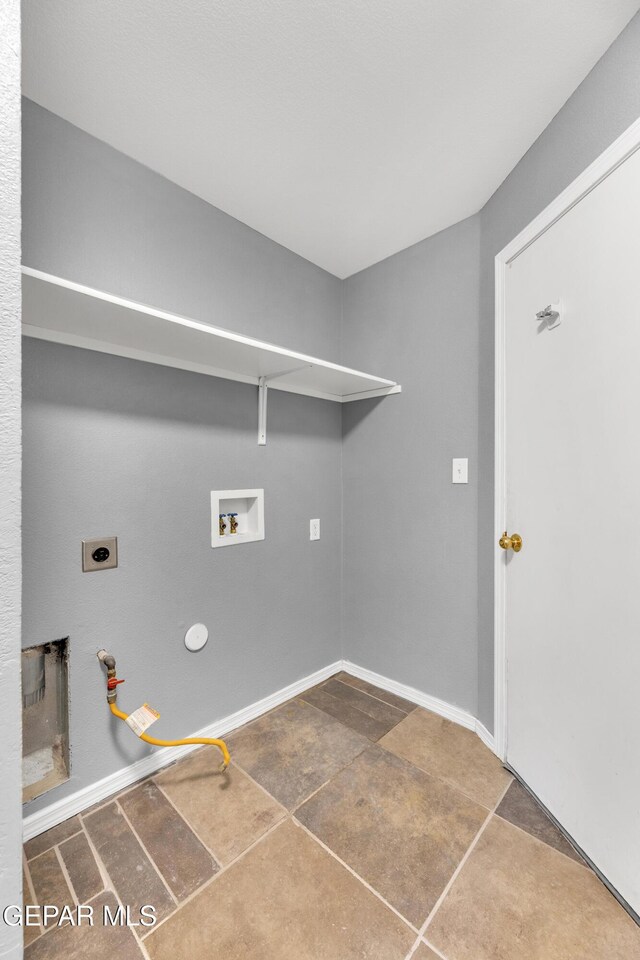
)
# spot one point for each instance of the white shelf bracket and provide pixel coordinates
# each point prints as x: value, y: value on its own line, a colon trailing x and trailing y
x: 262, y: 411
x: 262, y: 400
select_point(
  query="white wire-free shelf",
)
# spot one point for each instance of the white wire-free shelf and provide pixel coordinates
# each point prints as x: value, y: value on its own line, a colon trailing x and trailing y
x: 66, y: 312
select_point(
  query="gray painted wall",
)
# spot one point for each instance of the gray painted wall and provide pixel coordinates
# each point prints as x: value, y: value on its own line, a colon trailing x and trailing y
x: 418, y: 605
x: 410, y: 552
x: 426, y: 316
x: 602, y: 107
x: 95, y: 216
x: 417, y: 601
x: 113, y: 446
x: 10, y: 701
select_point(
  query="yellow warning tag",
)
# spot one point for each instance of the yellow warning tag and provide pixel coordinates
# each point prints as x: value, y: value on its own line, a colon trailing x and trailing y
x: 142, y: 718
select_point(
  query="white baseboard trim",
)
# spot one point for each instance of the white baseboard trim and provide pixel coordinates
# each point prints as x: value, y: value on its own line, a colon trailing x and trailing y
x: 50, y: 816
x: 36, y: 823
x: 441, y: 707
x: 434, y: 704
x: 487, y: 738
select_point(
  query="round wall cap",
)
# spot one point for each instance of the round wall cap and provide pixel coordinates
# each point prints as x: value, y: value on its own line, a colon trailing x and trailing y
x: 196, y: 637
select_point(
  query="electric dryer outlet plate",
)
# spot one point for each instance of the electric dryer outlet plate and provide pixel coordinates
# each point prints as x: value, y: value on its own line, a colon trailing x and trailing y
x: 101, y: 554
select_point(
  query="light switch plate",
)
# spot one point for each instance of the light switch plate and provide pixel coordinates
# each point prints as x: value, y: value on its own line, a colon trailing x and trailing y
x: 314, y: 529
x: 100, y: 554
x: 460, y: 470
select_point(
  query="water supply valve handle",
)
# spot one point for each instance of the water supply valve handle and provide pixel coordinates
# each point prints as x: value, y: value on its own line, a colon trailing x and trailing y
x: 112, y: 683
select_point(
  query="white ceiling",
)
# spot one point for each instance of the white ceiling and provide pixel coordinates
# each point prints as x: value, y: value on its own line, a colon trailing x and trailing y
x: 346, y: 130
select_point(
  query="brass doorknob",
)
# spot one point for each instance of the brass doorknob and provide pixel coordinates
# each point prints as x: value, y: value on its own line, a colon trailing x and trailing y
x: 514, y: 542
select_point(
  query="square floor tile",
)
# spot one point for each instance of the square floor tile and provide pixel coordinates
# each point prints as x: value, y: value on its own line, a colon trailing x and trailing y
x: 286, y: 899
x: 44, y: 841
x: 227, y: 810
x: 98, y: 942
x: 517, y: 897
x: 49, y: 882
x: 361, y: 722
x: 177, y: 853
x: 134, y: 876
x: 81, y: 866
x: 378, y: 709
x: 424, y: 953
x: 519, y: 807
x: 448, y: 751
x: 391, y: 698
x: 293, y: 750
x: 401, y: 830
x: 30, y: 931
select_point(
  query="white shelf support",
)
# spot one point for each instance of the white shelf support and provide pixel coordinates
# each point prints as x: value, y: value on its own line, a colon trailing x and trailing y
x: 262, y: 411
x: 262, y: 400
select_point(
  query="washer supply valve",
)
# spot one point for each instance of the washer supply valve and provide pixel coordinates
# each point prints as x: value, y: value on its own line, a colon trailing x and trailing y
x: 112, y: 683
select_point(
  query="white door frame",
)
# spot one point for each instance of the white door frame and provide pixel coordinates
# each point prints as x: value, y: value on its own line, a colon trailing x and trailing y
x: 606, y: 163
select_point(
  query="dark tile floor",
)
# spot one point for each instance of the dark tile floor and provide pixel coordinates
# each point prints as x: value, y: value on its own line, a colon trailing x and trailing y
x: 350, y: 825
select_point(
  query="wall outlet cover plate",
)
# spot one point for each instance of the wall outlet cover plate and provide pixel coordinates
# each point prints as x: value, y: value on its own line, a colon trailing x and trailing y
x: 99, y: 554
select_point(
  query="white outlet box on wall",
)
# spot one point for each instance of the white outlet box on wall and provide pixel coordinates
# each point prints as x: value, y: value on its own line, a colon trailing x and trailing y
x: 248, y: 507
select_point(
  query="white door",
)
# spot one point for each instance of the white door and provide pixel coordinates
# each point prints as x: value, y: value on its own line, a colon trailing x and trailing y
x: 572, y: 595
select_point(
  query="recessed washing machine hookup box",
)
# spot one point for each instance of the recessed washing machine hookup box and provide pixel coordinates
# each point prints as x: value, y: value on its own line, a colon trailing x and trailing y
x: 237, y: 516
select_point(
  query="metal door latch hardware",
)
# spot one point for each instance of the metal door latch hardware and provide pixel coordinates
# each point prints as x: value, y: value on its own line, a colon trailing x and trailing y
x: 549, y: 316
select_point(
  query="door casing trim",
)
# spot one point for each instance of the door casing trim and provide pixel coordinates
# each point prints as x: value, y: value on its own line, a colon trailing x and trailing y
x: 608, y: 161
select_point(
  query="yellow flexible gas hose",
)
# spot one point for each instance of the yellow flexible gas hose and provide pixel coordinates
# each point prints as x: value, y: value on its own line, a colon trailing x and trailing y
x: 112, y: 683
x: 220, y: 744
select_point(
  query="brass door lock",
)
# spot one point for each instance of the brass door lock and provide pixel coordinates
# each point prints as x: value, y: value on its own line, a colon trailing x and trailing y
x: 514, y: 542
